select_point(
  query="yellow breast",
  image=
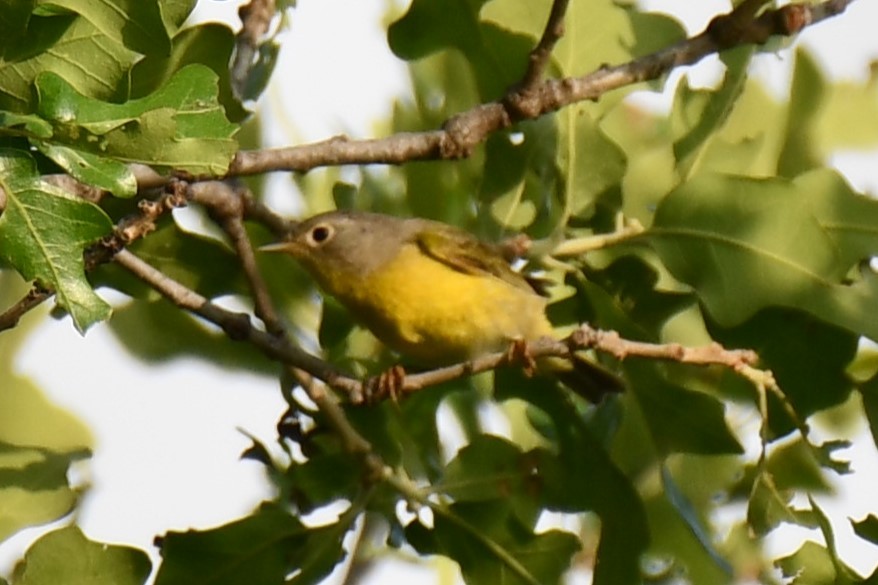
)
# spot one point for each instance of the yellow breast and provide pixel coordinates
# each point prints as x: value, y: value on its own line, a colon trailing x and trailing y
x: 434, y: 314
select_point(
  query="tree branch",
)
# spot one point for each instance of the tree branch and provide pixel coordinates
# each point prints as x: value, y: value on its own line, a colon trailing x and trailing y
x: 462, y: 133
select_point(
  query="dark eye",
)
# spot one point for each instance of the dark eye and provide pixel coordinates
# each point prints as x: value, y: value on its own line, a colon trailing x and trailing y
x: 321, y: 233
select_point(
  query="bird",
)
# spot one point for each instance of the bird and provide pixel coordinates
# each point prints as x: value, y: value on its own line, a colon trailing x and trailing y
x: 432, y: 292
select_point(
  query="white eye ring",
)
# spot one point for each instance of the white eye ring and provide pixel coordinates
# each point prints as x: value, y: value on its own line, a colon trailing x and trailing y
x: 320, y: 234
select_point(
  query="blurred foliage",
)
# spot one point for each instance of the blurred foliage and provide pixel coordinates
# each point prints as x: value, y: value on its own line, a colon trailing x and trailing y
x: 750, y: 240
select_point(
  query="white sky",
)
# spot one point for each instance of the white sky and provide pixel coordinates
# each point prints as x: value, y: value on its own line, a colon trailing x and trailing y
x: 142, y: 413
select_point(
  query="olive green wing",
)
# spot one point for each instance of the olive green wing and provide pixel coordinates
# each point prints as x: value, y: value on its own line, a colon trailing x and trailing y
x: 463, y: 252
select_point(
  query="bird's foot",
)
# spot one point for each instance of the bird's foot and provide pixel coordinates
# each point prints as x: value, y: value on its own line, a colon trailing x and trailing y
x: 388, y: 383
x: 518, y: 353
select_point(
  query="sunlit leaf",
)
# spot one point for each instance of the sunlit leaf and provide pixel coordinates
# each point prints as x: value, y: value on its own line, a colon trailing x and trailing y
x: 137, y: 24
x: 94, y: 64
x: 91, y: 169
x: 180, y: 126
x: 67, y: 557
x: 35, y: 489
x: 43, y: 232
x: 209, y: 44
x: 701, y: 113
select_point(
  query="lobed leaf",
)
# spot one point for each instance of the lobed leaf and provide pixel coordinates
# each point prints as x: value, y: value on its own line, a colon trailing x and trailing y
x: 769, y: 506
x: 43, y: 232
x: 136, y: 24
x: 745, y: 244
x: 66, y: 557
x: 35, y: 489
x: 261, y: 549
x: 490, y: 545
x: 209, y: 44
x: 94, y: 64
x: 867, y: 528
x: 179, y: 126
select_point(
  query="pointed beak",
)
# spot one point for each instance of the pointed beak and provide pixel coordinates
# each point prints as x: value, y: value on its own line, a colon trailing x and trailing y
x: 287, y: 247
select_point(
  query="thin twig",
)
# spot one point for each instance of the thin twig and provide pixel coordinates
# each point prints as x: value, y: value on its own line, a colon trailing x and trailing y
x: 225, y: 205
x: 586, y: 337
x: 578, y: 246
x: 236, y: 325
x: 542, y: 53
x: 34, y: 297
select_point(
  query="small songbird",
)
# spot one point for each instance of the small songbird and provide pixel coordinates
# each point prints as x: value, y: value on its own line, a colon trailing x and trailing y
x: 431, y: 291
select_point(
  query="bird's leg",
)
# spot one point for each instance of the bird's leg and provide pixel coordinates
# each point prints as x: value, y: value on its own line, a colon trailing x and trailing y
x: 387, y: 383
x: 518, y: 353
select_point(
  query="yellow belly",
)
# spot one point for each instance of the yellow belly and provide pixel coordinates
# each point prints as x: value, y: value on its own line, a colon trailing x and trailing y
x: 434, y: 314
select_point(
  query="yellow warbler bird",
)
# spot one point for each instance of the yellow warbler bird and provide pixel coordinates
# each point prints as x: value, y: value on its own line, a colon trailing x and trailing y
x: 431, y: 291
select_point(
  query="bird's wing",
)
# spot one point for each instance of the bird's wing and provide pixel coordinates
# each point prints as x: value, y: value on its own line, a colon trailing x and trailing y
x: 464, y: 253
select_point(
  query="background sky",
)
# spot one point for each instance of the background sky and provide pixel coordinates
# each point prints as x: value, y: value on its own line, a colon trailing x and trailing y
x: 166, y: 435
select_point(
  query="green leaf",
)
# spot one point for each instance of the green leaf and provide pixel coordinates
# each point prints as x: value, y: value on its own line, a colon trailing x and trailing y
x: 196, y: 261
x: 867, y: 528
x: 848, y: 118
x: 693, y: 521
x: 703, y: 112
x: 824, y: 456
x: 491, y: 468
x: 680, y: 419
x: 43, y: 232
x: 590, y: 163
x: 814, y: 564
x: 582, y: 477
x: 25, y: 124
x: 807, y: 95
x: 497, y: 56
x: 322, y: 479
x: 38, y: 440
x: 34, y: 489
x: 92, y: 169
x: 94, y: 64
x: 746, y: 244
x: 14, y: 17
x: 180, y: 126
x: 521, y: 182
x: 261, y: 549
x: 487, y: 468
x: 175, y: 12
x: 515, y: 555
x: 769, y: 506
x: 153, y: 332
x: 809, y: 565
x: 210, y: 44
x: 812, y: 375
x: 792, y: 466
x: 596, y: 33
x: 137, y: 24
x: 869, y: 392
x: 67, y: 557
